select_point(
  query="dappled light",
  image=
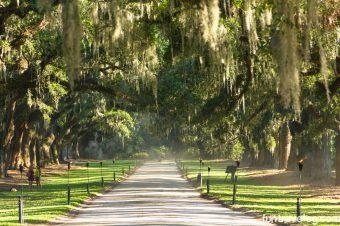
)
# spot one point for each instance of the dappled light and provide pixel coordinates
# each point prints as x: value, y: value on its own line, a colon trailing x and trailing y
x: 244, y: 92
x: 139, y: 201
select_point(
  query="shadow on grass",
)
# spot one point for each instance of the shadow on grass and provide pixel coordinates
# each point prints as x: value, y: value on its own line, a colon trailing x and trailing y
x: 51, y: 200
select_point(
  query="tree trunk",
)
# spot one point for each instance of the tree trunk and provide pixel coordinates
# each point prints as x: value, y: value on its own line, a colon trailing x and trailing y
x: 293, y: 157
x: 246, y: 154
x: 337, y: 159
x: 25, y: 147
x: 46, y: 149
x: 261, y: 155
x: 55, y: 151
x: 14, y: 156
x: 276, y: 152
x: 75, y: 147
x: 265, y: 157
x: 33, y: 156
x: 285, y: 143
x: 51, y: 150
x: 326, y: 159
x: 6, y: 136
x: 306, y: 154
x: 321, y: 161
x: 249, y: 154
x: 38, y: 153
x: 268, y: 158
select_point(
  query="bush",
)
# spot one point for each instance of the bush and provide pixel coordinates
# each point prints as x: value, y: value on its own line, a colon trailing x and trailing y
x: 160, y: 152
x: 237, y: 151
x: 140, y: 155
x: 193, y: 153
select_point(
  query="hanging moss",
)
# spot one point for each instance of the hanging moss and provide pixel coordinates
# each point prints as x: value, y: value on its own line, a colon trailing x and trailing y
x: 285, y: 53
x: 310, y: 23
x: 324, y: 69
x: 125, y: 42
x: 3, y: 71
x: 250, y: 22
x: 209, y: 16
x: 118, y: 32
x: 266, y: 18
x: 71, y: 39
x: 205, y: 38
x: 44, y: 5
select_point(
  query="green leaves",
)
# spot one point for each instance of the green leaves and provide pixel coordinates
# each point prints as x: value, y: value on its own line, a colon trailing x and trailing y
x: 204, y: 69
x: 117, y: 122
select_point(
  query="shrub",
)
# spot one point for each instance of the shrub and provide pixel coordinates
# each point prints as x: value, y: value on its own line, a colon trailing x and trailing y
x: 237, y: 151
x: 140, y: 155
x: 192, y: 152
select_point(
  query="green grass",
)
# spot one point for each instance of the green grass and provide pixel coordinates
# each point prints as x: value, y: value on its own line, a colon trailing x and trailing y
x: 268, y: 200
x: 50, y: 202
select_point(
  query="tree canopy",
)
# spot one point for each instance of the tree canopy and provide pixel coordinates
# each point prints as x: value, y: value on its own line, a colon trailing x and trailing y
x: 251, y: 79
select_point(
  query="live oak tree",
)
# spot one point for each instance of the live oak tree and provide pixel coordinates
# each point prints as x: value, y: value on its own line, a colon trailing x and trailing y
x: 224, y: 76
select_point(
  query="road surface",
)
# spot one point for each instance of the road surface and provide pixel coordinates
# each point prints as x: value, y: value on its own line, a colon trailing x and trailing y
x: 156, y: 195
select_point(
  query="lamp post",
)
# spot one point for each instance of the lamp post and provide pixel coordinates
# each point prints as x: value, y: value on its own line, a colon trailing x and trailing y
x: 298, y: 202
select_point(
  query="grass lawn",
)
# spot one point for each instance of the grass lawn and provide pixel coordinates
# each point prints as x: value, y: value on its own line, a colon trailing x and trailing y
x: 50, y: 202
x: 256, y: 194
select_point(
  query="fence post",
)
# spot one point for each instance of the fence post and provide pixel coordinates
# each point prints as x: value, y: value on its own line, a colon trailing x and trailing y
x: 234, y: 190
x: 21, y: 210
x: 21, y: 168
x: 101, y: 173
x: 88, y: 178
x: 298, y: 210
x: 123, y: 171
x: 298, y: 202
x: 68, y: 184
x: 113, y: 170
x: 68, y: 195
x: 199, y: 176
x: 235, y: 182
x: 186, y: 172
x: 208, y: 180
x: 129, y: 169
